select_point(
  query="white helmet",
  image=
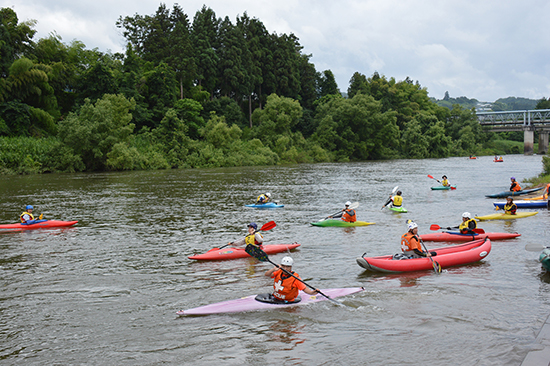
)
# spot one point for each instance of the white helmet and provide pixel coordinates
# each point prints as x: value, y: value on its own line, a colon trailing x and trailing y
x: 268, y: 194
x: 466, y: 215
x: 287, y: 261
x: 412, y: 225
x: 348, y: 203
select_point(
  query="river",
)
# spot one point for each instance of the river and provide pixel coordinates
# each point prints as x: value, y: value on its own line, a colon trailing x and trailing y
x: 106, y: 291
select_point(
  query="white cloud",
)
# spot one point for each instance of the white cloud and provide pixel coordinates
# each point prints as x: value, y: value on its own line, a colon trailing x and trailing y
x: 484, y: 50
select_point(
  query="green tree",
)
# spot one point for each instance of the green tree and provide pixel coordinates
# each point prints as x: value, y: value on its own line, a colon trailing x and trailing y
x: 189, y: 111
x: 327, y: 84
x: 95, y: 129
x: 181, y: 53
x: 204, y: 36
x: 15, y: 38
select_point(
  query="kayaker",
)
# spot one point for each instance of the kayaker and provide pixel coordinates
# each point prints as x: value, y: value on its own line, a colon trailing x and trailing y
x: 467, y: 225
x: 445, y: 181
x: 347, y: 214
x: 397, y: 200
x: 410, y: 243
x: 514, y: 186
x: 285, y: 287
x: 253, y: 237
x: 510, y: 207
x: 263, y: 198
x: 28, y: 218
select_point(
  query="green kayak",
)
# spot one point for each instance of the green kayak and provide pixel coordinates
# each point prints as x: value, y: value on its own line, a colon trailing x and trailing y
x: 443, y: 188
x: 398, y: 209
x: 340, y: 223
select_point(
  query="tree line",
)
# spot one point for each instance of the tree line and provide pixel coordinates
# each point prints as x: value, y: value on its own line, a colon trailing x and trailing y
x: 205, y: 93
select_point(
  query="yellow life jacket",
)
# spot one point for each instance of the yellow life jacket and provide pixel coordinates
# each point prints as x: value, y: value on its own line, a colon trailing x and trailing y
x: 397, y: 201
x: 26, y: 213
x: 251, y: 239
x: 465, y: 225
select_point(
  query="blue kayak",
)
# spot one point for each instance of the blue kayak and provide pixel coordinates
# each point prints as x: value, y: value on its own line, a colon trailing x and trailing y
x: 265, y: 205
x: 510, y: 193
x: 524, y: 204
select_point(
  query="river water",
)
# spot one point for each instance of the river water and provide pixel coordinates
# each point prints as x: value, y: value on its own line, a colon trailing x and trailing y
x: 107, y: 290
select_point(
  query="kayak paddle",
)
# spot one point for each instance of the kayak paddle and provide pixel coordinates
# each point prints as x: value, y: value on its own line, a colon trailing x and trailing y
x: 429, y: 176
x: 435, y: 264
x: 353, y: 206
x: 437, y: 227
x: 534, y: 247
x: 259, y: 254
x: 265, y: 227
x: 389, y: 199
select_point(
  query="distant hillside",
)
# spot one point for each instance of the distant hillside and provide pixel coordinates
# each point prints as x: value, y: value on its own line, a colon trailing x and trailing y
x: 501, y: 104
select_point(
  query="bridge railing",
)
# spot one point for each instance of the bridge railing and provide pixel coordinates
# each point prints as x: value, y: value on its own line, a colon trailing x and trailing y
x: 525, y: 118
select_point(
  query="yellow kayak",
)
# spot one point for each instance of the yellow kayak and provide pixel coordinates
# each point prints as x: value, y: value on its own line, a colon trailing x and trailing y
x: 502, y: 216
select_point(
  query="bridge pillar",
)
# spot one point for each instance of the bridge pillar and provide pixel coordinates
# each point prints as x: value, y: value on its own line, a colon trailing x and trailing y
x: 528, y: 140
x: 543, y: 142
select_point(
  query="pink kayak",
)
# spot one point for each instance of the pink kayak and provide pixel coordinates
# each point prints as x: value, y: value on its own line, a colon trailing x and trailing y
x: 249, y: 303
x: 217, y: 254
x: 455, y: 255
x: 457, y: 236
x: 39, y: 225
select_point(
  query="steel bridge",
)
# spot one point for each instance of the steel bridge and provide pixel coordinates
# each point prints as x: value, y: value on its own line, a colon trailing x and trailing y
x: 527, y: 121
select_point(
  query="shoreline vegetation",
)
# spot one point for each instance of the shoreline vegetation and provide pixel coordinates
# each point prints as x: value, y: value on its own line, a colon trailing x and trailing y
x: 209, y: 93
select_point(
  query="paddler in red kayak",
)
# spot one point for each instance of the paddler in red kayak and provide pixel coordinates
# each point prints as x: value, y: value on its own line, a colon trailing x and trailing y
x: 253, y: 237
x: 467, y: 225
x: 286, y: 287
x: 347, y: 214
x: 514, y: 186
x: 410, y: 243
x: 27, y: 217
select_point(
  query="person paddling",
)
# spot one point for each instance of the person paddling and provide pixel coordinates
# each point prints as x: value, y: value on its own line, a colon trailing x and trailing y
x: 510, y: 207
x: 347, y: 214
x: 285, y: 287
x: 410, y: 243
x: 253, y: 237
x: 514, y: 186
x: 397, y: 200
x: 263, y: 198
x: 445, y: 181
x: 27, y: 217
x: 467, y: 225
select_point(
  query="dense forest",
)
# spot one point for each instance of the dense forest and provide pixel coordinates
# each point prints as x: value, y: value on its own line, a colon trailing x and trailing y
x: 207, y: 92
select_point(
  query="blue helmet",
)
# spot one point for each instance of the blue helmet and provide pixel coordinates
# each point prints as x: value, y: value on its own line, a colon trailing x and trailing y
x: 29, y: 207
x: 253, y: 225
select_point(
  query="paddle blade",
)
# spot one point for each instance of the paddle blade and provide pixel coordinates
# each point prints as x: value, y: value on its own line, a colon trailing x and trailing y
x: 453, y: 188
x: 429, y: 176
x: 354, y: 205
x: 534, y: 247
x: 478, y: 231
x: 268, y: 226
x: 435, y: 227
x: 394, y: 189
x: 437, y: 266
x: 256, y: 252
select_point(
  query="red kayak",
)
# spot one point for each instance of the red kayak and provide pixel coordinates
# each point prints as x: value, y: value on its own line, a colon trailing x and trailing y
x: 39, y: 225
x: 455, y: 255
x: 456, y: 236
x: 217, y: 254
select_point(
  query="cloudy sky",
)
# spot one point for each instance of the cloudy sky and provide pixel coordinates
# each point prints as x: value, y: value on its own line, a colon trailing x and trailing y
x: 485, y: 50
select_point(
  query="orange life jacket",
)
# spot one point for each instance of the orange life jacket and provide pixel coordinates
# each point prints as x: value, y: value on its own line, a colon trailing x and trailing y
x: 349, y: 215
x: 515, y: 187
x: 285, y: 287
x: 410, y: 242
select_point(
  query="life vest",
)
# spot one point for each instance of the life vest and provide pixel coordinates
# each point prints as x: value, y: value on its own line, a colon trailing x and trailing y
x: 410, y: 242
x: 262, y: 198
x: 465, y: 225
x: 397, y: 201
x: 26, y: 213
x: 445, y: 183
x: 285, y: 287
x: 510, y: 209
x: 251, y: 239
x: 515, y: 187
x: 349, y: 215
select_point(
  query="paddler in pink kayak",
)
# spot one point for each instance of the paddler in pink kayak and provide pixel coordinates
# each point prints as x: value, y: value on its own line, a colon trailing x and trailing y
x: 467, y: 225
x: 27, y: 217
x: 285, y: 287
x: 253, y: 237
